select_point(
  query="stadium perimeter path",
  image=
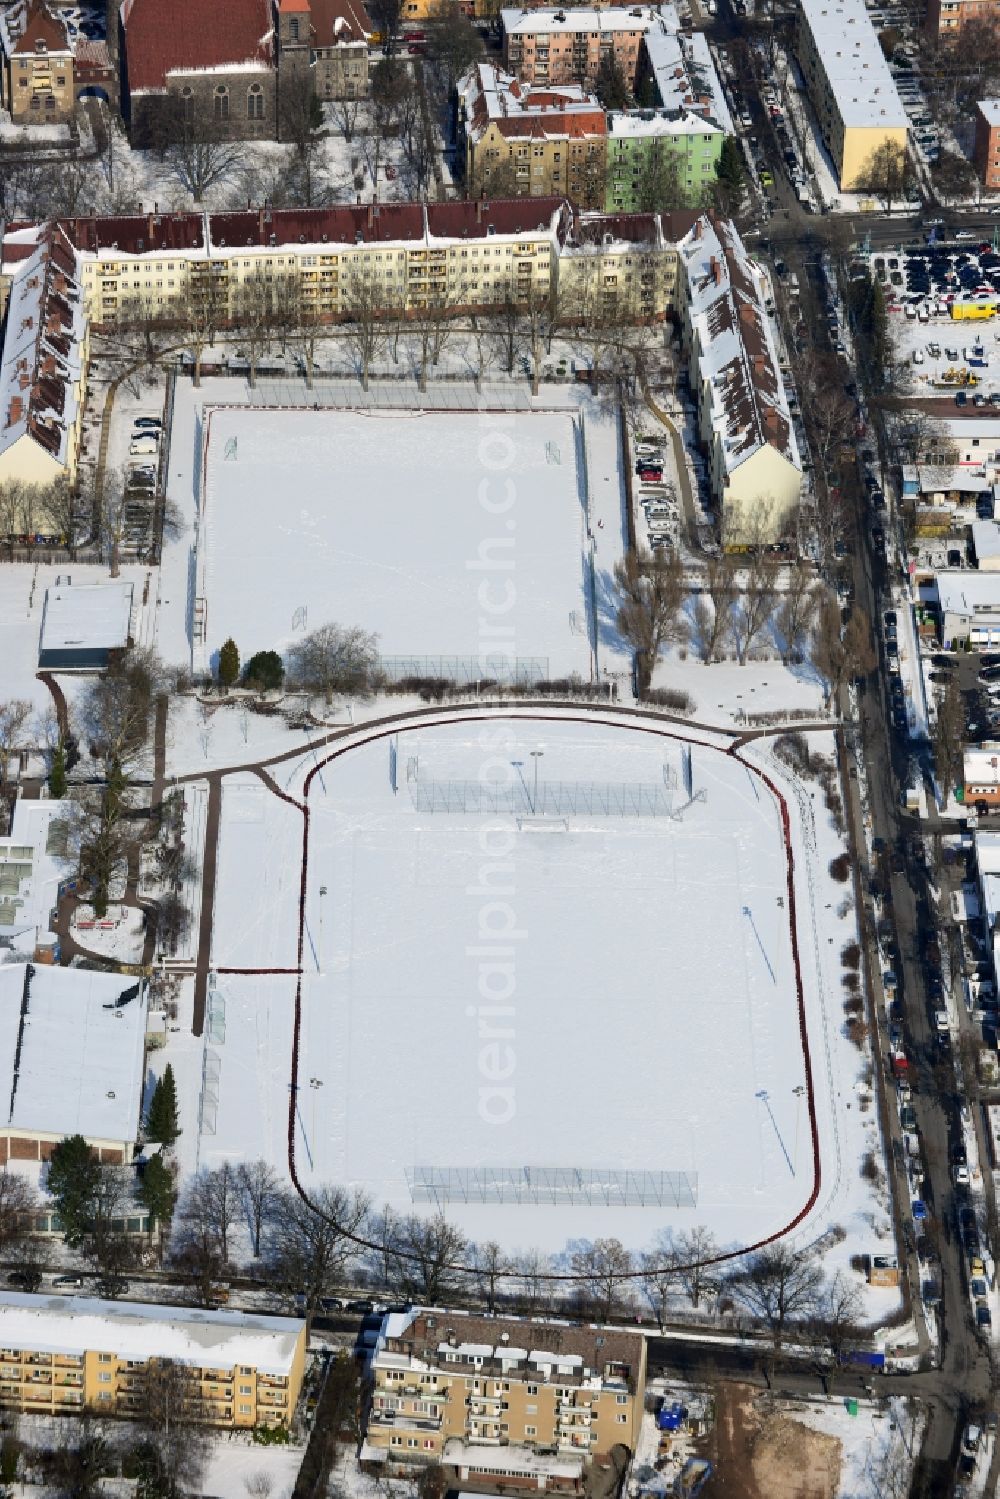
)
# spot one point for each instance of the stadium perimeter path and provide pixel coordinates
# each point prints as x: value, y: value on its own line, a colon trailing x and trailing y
x: 260, y: 767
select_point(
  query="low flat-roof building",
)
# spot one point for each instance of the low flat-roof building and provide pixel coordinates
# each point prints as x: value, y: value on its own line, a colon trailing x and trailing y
x: 60, y: 1355
x: 72, y: 1048
x: 981, y: 777
x: 969, y: 604
x: 852, y: 90
x: 84, y: 624
x: 34, y: 862
x: 744, y: 423
x: 506, y: 1404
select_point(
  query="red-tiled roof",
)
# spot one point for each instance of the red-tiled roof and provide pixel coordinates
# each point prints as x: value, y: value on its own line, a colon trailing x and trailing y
x: 506, y: 216
x: 347, y: 225
x: 165, y: 36
x: 137, y: 232
x: 576, y: 126
x: 42, y: 26
x: 355, y: 23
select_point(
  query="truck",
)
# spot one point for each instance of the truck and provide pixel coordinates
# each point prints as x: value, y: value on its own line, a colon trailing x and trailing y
x: 861, y: 1357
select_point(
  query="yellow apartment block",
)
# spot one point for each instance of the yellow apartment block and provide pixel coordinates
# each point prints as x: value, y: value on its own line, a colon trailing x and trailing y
x: 850, y: 85
x: 64, y: 1355
x: 503, y: 1403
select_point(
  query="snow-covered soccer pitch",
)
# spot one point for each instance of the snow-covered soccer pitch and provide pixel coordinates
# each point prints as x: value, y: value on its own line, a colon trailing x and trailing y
x: 520, y: 992
x: 452, y: 533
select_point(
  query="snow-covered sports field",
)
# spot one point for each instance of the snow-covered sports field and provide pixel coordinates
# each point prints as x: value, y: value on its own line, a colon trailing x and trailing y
x: 461, y: 534
x: 526, y: 980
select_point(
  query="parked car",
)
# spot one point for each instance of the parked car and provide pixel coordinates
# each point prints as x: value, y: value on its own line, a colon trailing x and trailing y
x: 150, y: 423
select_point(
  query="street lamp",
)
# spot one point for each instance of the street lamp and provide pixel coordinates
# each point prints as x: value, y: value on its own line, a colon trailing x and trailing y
x: 536, y: 755
x: 319, y: 955
x: 798, y: 1092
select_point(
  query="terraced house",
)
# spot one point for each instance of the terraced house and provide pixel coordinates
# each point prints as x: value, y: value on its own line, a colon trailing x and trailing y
x: 504, y: 1404
x: 65, y: 1355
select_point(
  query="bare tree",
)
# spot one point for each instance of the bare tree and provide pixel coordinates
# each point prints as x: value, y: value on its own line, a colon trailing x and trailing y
x: 310, y: 1245
x: 334, y: 658
x: 345, y: 113
x: 841, y: 652
x: 367, y: 328
x: 661, y: 1278
x: 505, y: 331
x: 254, y: 315
x: 778, y: 1285
x: 491, y: 1266
x: 604, y: 1267
x: 425, y: 1252
x: 714, y: 607
x: 15, y: 720
x: 433, y: 327
x: 753, y: 607
x: 796, y: 611
x: 839, y: 1312
x: 949, y: 737
x: 260, y: 1193
x: 200, y: 157
x: 532, y: 1267
x: 18, y: 1206
x: 208, y: 1213
x: 650, y: 594
x: 694, y: 1249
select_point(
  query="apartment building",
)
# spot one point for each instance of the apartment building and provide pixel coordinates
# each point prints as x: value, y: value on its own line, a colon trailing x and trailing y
x: 622, y: 263
x: 744, y: 424
x: 43, y: 363
x: 557, y: 47
x: 37, y: 79
x: 502, y: 1403
x: 986, y: 154
x: 850, y: 85
x: 455, y: 255
x: 946, y: 18
x: 64, y: 1355
x: 536, y: 142
x: 687, y: 123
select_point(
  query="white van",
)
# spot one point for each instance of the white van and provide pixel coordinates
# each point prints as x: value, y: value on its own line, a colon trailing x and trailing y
x: 143, y: 447
x: 918, y: 356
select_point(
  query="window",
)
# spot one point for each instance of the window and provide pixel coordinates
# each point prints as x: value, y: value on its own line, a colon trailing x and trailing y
x: 530, y: 1431
x: 104, y: 1358
x: 246, y: 1389
x: 622, y: 1420
x: 621, y: 1400
x: 255, y: 102
x: 222, y: 102
x: 187, y: 105
x: 532, y: 1389
x: 293, y: 30
x: 104, y: 1378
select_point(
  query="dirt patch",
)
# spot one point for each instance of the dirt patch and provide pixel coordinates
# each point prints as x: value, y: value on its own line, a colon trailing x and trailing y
x: 761, y: 1452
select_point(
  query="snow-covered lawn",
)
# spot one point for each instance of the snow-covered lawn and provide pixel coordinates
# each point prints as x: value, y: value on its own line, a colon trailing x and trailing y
x: 458, y: 535
x: 726, y: 693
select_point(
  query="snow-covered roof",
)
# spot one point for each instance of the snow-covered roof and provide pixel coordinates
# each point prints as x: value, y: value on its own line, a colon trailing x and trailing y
x: 986, y: 539
x: 489, y: 95
x: 577, y: 19
x: 188, y: 37
x: 139, y: 1330
x: 982, y: 768
x: 963, y: 592
x: 511, y: 1459
x: 686, y: 79
x: 33, y: 861
x: 40, y: 362
x: 88, y: 616
x: 990, y: 110
x: 854, y: 63
x: 737, y: 359
x: 437, y: 1338
x: 71, y: 1051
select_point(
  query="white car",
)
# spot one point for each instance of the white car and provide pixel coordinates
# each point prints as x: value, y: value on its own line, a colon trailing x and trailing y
x: 960, y: 1175
x: 941, y: 1021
